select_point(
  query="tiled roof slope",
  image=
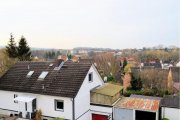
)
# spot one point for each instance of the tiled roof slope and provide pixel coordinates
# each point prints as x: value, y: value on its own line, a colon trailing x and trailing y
x: 144, y: 104
x: 65, y: 82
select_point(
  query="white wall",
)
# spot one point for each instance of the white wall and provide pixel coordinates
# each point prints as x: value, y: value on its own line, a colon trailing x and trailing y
x: 44, y: 102
x: 171, y: 113
x: 102, y: 110
x: 82, y: 100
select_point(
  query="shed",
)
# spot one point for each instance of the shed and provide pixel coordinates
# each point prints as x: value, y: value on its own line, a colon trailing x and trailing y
x: 102, y: 101
x: 107, y: 94
x: 137, y: 108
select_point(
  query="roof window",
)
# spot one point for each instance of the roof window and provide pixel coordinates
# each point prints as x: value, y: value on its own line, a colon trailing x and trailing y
x: 29, y: 74
x: 43, y: 75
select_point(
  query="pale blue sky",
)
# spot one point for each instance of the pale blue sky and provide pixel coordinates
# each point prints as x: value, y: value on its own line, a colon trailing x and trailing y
x: 91, y: 23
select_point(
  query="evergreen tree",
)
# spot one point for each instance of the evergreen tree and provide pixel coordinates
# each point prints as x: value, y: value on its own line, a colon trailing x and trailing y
x: 124, y: 63
x: 69, y: 55
x: 24, y: 52
x: 136, y: 83
x: 11, y: 49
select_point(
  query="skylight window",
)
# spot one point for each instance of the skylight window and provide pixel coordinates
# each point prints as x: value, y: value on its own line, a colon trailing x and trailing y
x: 29, y: 74
x: 43, y: 75
x: 51, y: 65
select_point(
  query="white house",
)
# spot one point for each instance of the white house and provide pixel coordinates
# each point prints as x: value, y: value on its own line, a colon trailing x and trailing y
x: 58, y: 89
x: 170, y: 107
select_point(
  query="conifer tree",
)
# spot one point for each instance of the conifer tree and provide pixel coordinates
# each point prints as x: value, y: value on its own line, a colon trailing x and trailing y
x: 11, y: 48
x: 24, y: 53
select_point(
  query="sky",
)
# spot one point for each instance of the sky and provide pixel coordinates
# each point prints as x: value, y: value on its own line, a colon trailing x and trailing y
x: 65, y: 24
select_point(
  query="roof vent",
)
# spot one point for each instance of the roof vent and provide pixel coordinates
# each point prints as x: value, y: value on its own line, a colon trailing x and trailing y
x: 29, y: 74
x: 28, y: 67
x: 43, y: 86
x: 43, y: 75
x: 59, y: 67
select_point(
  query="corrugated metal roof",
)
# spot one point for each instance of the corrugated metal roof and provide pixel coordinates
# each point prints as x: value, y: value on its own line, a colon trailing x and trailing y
x: 139, y: 104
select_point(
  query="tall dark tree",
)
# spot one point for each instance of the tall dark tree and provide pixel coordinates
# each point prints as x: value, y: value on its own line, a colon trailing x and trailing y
x: 136, y: 83
x: 124, y: 63
x: 11, y: 48
x: 69, y: 55
x: 24, y: 53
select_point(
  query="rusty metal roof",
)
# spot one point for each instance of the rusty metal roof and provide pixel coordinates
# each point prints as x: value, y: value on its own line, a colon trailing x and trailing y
x: 139, y: 104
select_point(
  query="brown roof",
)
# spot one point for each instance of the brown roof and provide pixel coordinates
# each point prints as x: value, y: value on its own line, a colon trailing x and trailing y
x: 144, y: 104
x: 65, y: 82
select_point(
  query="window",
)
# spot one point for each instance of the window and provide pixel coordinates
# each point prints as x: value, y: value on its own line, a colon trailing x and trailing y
x: 15, y: 95
x: 29, y: 74
x: 90, y: 77
x: 26, y: 106
x: 59, y: 105
x: 43, y: 75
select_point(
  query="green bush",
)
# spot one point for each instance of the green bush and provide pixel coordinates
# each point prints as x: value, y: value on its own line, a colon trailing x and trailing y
x: 129, y: 92
x: 58, y: 118
x: 165, y: 119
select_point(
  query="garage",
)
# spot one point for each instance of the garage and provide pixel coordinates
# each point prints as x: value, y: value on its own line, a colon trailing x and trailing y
x: 99, y: 117
x: 137, y: 107
x: 142, y: 115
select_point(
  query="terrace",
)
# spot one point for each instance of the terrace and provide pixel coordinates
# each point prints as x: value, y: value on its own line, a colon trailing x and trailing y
x: 106, y: 95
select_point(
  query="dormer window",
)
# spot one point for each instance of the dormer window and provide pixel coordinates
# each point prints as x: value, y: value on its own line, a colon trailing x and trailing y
x: 90, y: 77
x: 29, y: 74
x: 43, y: 75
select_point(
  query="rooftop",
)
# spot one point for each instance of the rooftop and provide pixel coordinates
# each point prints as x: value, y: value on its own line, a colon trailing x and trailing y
x: 171, y: 102
x: 108, y: 89
x: 64, y: 82
x: 144, y: 104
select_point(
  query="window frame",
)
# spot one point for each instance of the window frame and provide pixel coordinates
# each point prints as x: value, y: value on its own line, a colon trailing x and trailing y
x: 15, y: 95
x: 55, y: 105
x: 91, y: 73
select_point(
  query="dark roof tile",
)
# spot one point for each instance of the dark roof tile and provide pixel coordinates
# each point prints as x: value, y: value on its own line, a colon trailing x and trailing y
x: 65, y: 82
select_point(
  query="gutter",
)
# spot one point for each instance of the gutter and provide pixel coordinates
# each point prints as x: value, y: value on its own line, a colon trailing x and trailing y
x: 73, y: 109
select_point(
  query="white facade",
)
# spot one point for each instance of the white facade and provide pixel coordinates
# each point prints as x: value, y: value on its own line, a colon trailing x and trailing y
x: 46, y: 103
x: 170, y: 113
x: 82, y: 100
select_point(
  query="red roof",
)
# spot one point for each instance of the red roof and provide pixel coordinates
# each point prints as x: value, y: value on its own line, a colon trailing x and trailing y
x: 139, y: 104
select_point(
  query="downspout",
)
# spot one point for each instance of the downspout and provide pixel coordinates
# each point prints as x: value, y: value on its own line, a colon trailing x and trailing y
x: 73, y: 109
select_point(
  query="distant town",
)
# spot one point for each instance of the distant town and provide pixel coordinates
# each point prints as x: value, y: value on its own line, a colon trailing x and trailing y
x: 89, y: 83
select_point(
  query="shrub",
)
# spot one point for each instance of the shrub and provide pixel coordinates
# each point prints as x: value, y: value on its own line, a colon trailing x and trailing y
x: 38, y: 115
x: 58, y: 118
x: 165, y: 119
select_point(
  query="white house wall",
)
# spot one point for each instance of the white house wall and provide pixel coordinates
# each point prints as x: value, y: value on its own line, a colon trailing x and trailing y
x: 171, y: 113
x: 82, y: 100
x: 44, y: 102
